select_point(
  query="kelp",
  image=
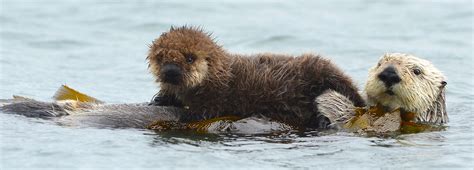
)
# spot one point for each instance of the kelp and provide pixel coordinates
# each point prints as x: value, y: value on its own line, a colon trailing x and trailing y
x: 199, y: 126
x: 376, y: 119
x: 65, y: 93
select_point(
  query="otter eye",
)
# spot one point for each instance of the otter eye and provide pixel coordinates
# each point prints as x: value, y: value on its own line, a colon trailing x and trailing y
x: 190, y: 58
x: 417, y: 71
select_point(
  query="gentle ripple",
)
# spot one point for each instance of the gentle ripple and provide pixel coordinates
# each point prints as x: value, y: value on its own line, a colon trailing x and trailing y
x: 99, y: 47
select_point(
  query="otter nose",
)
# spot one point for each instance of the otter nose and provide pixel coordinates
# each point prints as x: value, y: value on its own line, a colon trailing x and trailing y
x: 171, y: 73
x: 389, y: 76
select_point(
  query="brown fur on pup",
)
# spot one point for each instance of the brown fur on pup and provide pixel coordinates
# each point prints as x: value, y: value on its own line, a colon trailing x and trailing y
x: 196, y: 73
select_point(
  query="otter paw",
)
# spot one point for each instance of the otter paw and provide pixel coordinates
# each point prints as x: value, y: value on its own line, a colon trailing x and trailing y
x: 165, y: 101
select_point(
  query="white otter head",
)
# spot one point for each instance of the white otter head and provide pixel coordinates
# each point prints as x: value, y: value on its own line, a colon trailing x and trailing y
x: 409, y: 83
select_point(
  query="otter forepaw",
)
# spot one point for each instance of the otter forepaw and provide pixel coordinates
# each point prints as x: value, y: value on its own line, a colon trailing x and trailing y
x: 165, y: 101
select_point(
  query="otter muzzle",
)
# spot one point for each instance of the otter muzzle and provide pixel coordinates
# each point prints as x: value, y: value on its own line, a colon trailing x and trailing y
x: 389, y: 76
x: 171, y: 73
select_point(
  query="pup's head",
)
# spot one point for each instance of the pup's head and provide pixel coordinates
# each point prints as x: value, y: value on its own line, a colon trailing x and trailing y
x: 184, y: 57
x: 409, y: 83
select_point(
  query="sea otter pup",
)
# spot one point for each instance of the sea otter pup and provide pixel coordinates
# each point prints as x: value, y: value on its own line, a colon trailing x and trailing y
x: 197, y: 74
x: 401, y: 88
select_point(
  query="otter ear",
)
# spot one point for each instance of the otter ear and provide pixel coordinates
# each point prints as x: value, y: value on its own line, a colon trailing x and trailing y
x: 153, y: 51
x: 437, y: 113
x: 443, y: 84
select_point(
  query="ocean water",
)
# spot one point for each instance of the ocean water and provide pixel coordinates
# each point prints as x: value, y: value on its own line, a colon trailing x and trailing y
x: 99, y: 48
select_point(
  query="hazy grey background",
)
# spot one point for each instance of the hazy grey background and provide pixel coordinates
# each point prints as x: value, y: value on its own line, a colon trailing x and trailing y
x: 99, y: 48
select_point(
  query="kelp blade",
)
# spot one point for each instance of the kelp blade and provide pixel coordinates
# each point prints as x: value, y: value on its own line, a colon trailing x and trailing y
x: 66, y: 93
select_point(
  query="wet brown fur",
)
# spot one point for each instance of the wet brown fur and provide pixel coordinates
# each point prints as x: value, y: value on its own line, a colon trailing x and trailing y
x: 218, y: 83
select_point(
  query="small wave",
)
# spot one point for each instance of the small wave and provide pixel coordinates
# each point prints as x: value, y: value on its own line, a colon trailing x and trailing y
x: 58, y: 44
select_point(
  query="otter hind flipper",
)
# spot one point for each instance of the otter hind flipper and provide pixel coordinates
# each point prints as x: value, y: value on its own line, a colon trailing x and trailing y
x: 33, y: 108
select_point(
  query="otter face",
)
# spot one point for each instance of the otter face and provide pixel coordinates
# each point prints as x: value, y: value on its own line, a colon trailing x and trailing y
x: 181, y: 57
x: 176, y: 68
x: 409, y: 83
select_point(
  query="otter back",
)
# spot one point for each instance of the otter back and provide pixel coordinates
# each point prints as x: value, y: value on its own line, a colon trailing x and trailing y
x: 278, y: 86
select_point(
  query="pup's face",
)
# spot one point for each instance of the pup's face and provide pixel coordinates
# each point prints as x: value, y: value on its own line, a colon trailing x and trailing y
x: 181, y: 57
x: 406, y: 82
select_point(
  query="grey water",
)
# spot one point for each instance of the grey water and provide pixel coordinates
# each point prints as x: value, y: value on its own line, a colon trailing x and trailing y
x: 99, y: 48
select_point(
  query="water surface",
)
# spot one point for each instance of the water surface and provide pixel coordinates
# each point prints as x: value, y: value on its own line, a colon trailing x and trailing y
x: 99, y: 47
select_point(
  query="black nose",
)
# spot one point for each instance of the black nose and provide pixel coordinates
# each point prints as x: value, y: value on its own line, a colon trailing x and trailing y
x: 389, y: 76
x: 171, y: 73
